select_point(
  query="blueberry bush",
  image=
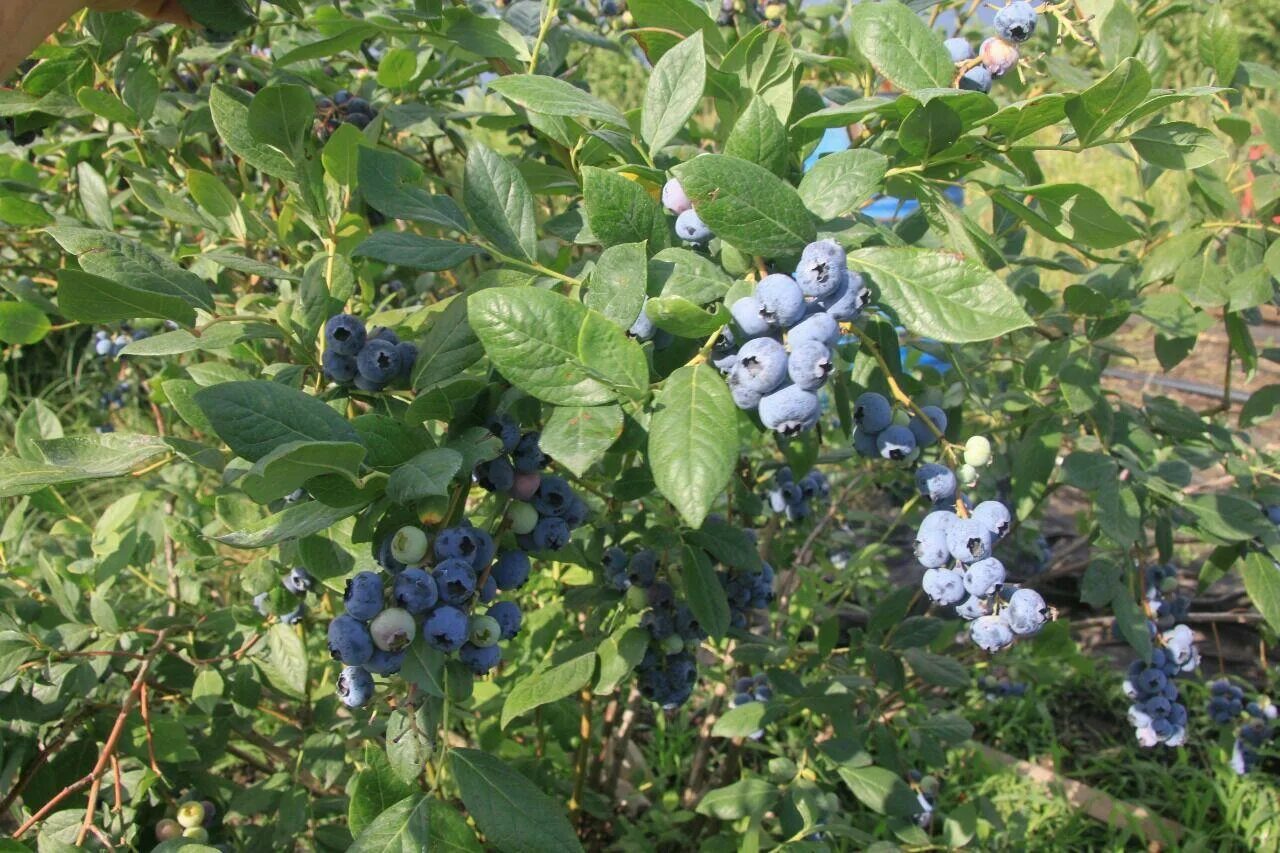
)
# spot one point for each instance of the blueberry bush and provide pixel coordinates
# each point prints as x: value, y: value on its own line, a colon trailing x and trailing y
x: 661, y: 424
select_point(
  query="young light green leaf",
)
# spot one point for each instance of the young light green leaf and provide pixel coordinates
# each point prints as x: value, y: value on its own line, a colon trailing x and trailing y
x: 555, y: 97
x: 692, y: 440
x: 547, y: 686
x: 675, y: 88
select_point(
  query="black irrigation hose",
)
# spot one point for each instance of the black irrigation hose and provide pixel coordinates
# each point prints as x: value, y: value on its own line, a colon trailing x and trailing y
x: 1201, y: 388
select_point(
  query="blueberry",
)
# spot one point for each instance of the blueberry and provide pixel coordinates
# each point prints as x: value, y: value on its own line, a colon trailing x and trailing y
x: 355, y: 687
x: 393, y: 629
x: 943, y: 586
x: 460, y: 542
x: 789, y: 410
x: 445, y: 628
x: 511, y: 570
x: 925, y: 437
x: 349, y: 640
x: 896, y: 443
x: 864, y: 442
x: 378, y: 361
x: 382, y: 333
x: 479, y: 659
x: 847, y: 302
x: 642, y: 570
x: 748, y: 314
x: 455, y: 580
x: 342, y: 97
x: 982, y: 578
x: 820, y: 326
x: 485, y: 549
x: 299, y: 581
x: 553, y: 497
x: 296, y: 615
x: 998, y: 56
x: 809, y: 364
x: 872, y: 412
x: 674, y: 198
x: 496, y: 475
x: 368, y: 385
x: 822, y: 268
x: 408, y: 354
x: 489, y: 591
x: 762, y: 365
x: 505, y: 429
x: 509, y: 618
x: 959, y: 48
x: 977, y: 451
x: 550, y: 534
x: 577, y: 512
x: 338, y: 368
x: 528, y: 456
x: 976, y: 79
x: 1016, y: 22
x: 261, y: 603
x: 781, y: 302
x: 642, y: 329
x: 386, y: 559
x: 691, y: 228
x: 386, y: 663
x: 994, y: 517
x: 409, y: 545
x: 344, y: 334
x: 972, y: 608
x: 936, y: 482
x: 522, y: 517
x: 931, y: 547
x: 968, y: 541
x: 990, y: 633
x: 363, y: 596
x: 744, y: 398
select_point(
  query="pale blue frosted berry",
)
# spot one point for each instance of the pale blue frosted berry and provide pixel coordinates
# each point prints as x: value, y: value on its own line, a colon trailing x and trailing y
x: 747, y: 313
x: 820, y: 327
x: 821, y: 268
x: 762, y: 365
x: 781, y: 301
x: 789, y: 410
x: 355, y: 687
x: 691, y: 228
x: 809, y: 364
x: 896, y: 443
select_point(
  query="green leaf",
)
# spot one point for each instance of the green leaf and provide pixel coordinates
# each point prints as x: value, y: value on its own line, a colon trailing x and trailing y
x: 741, y: 721
x: 620, y: 211
x: 285, y: 661
x: 38, y: 422
x: 617, y: 285
x: 94, y: 299
x: 578, y: 436
x: 341, y: 155
x: 428, y: 473
x: 403, y: 828
x: 1261, y: 578
x: 674, y: 90
x: 1262, y: 404
x: 930, y: 128
x: 939, y: 670
x: 683, y: 318
x: 705, y: 594
x: 1097, y: 108
x: 281, y: 116
x: 555, y: 97
x: 512, y: 812
x: 840, y: 182
x: 1070, y: 213
x: 21, y: 323
x: 449, y: 830
x: 557, y: 349
x: 619, y: 654
x: 1177, y: 145
x: 900, y: 46
x: 133, y: 265
x: 78, y: 457
x: 1220, y: 43
x: 938, y: 295
x: 746, y: 205
x: 880, y: 790
x: 409, y: 738
x: 680, y: 272
x: 416, y: 251
x: 290, y: 465
x: 390, y: 182
x: 759, y: 137
x: 727, y: 543
x: 256, y: 417
x: 106, y: 105
x: 547, y: 686
x: 692, y: 440
x: 746, y: 797
x: 397, y: 68
x: 498, y: 199
x: 448, y: 348
x: 293, y: 522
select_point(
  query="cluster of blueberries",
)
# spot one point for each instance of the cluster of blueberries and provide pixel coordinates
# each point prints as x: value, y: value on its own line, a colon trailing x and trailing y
x: 192, y: 821
x: 299, y: 582
x: 746, y: 591
x: 795, y: 499
x: 1155, y: 712
x: 369, y: 359
x: 999, y: 688
x: 668, y: 672
x: 114, y: 399
x: 1226, y: 704
x: 108, y: 345
x: 877, y: 433
x: 545, y: 510
x: 997, y: 55
x: 342, y: 108
x: 780, y: 351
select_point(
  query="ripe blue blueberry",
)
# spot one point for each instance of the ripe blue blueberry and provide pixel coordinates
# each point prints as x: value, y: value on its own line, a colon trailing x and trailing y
x: 925, y: 437
x: 459, y: 543
x: 931, y: 539
x: 896, y: 443
x: 355, y: 687
x: 344, y: 334
x: 872, y: 412
x: 511, y: 570
x: 550, y: 534
x: 743, y: 397
x: 968, y: 541
x: 368, y: 385
x: 408, y: 355
x: 822, y: 268
x: 959, y: 48
x: 296, y: 615
x: 496, y: 475
x: 378, y: 362
x: 445, y: 628
x: 576, y: 513
x: 414, y: 589
x: 691, y: 228
x: 747, y: 313
x: 455, y: 580
x: 386, y: 663
x: 489, y: 591
x: 936, y: 482
x: 642, y: 570
x: 1016, y: 22
x: 809, y: 364
x: 820, y: 327
x: 349, y: 640
x: 505, y: 429
x: 299, y: 581
x: 363, y: 596
x: 553, y: 496
x: 382, y: 333
x: 982, y: 578
x: 261, y: 603
x: 976, y: 79
x: 479, y: 659
x: 485, y: 549
x: 943, y: 586
x: 789, y: 410
x: 337, y: 367
x: 528, y: 456
x: 847, y: 302
x: 990, y: 633
x: 1027, y: 611
x: 864, y: 442
x: 762, y: 365
x: 509, y: 617
x: 781, y: 302
x: 972, y: 608
x: 994, y: 518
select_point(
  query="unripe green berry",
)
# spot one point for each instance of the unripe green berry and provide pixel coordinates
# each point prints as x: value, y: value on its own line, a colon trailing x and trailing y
x: 977, y: 451
x: 673, y: 645
x: 782, y: 769
x: 167, y: 829
x: 523, y: 517
x: 393, y: 629
x: 484, y: 631
x: 409, y: 545
x: 967, y: 475
x: 637, y: 598
x: 190, y: 814
x: 196, y: 833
